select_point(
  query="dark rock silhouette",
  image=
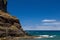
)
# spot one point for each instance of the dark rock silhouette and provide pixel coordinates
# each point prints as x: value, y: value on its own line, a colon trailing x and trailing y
x: 3, y: 5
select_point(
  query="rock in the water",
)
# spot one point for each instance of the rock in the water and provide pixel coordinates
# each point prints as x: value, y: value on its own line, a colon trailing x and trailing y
x: 10, y: 26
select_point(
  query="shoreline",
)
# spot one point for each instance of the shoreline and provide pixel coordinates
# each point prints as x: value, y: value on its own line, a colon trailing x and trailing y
x: 18, y: 38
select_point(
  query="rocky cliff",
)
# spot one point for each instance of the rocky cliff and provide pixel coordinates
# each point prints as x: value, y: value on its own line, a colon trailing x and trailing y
x: 10, y: 25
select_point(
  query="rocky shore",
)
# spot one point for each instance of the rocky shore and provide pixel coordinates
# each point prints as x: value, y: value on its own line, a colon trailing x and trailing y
x: 11, y: 29
x: 10, y: 25
x: 24, y: 38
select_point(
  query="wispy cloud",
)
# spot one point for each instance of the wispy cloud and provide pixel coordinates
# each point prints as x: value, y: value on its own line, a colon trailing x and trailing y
x: 41, y: 28
x: 46, y: 20
x: 50, y: 22
x: 45, y: 25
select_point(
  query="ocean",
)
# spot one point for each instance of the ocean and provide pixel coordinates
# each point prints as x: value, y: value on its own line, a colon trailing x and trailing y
x: 51, y: 35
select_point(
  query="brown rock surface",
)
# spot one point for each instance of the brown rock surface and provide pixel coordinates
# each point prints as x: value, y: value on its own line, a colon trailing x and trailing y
x: 10, y: 25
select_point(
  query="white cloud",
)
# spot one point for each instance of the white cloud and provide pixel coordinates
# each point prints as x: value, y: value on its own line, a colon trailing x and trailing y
x: 54, y: 23
x: 45, y: 20
x: 50, y: 22
x: 45, y: 25
x: 41, y: 28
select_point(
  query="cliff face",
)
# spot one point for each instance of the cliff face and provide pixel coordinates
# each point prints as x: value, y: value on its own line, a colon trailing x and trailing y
x: 10, y: 26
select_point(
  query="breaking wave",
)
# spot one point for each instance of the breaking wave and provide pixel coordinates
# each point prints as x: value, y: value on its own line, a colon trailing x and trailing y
x: 46, y: 36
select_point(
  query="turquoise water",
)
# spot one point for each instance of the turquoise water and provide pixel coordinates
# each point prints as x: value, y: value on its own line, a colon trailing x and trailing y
x: 51, y: 35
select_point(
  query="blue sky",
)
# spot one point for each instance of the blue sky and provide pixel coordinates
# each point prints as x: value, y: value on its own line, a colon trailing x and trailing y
x: 36, y: 14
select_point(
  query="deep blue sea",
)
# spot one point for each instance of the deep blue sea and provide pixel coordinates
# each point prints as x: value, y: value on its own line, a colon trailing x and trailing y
x: 50, y: 35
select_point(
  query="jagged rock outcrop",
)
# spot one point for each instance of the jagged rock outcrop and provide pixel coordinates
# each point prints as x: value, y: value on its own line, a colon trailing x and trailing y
x: 10, y: 25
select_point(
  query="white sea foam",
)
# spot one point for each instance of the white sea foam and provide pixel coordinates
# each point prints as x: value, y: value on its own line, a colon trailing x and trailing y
x: 52, y: 36
x: 46, y: 36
